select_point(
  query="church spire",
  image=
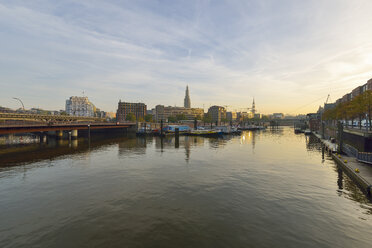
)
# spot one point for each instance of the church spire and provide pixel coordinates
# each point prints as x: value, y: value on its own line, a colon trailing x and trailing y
x: 187, y: 102
x: 253, y: 107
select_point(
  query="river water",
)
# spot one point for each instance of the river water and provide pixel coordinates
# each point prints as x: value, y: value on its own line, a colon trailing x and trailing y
x: 261, y: 189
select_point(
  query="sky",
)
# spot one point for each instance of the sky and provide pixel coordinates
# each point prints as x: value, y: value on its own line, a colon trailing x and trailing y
x: 287, y: 55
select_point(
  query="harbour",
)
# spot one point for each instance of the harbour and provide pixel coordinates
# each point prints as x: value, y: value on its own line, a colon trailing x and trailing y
x: 155, y: 191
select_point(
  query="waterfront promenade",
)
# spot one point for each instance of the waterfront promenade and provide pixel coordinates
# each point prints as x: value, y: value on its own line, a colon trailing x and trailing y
x: 360, y: 172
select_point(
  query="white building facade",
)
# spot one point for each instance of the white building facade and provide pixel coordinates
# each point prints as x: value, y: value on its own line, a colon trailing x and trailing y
x: 79, y: 106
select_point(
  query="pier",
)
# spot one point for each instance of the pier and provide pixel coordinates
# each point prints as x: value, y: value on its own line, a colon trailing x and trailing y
x: 360, y: 172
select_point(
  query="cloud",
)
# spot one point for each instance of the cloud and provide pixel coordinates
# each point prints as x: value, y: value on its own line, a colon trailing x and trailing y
x: 283, y: 54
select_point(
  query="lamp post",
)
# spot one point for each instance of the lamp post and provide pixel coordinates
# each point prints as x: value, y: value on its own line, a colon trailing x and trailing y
x: 23, y: 106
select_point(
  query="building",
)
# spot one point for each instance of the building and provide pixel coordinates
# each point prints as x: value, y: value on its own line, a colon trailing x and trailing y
x: 80, y: 106
x: 242, y: 116
x: 124, y: 108
x: 163, y: 113
x: 217, y: 113
x: 187, y: 101
x: 278, y: 116
x: 355, y: 92
x: 231, y: 116
x: 313, y: 120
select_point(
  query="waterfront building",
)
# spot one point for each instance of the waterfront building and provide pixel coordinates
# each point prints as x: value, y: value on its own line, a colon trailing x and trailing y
x: 217, y: 113
x: 346, y: 98
x: 163, y: 113
x: 6, y: 110
x: 355, y: 92
x: 278, y: 116
x: 231, y: 116
x: 243, y: 116
x: 79, y: 106
x: 187, y: 101
x: 124, y: 108
x: 257, y: 116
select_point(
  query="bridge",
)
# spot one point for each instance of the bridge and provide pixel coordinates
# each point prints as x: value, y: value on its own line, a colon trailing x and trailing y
x: 12, y: 123
x: 47, y: 118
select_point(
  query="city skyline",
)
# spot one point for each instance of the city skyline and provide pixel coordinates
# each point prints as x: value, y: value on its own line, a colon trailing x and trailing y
x: 287, y: 55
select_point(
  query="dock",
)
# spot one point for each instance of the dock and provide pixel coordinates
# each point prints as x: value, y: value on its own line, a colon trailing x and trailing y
x: 328, y: 144
x: 360, y: 172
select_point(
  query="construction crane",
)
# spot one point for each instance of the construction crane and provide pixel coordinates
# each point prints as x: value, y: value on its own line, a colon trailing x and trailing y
x: 327, y: 99
x: 226, y: 106
x: 245, y: 108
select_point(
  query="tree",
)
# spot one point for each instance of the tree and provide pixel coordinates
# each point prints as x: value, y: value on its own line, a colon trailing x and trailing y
x: 207, y: 118
x: 181, y: 117
x: 224, y: 120
x: 368, y: 104
x: 141, y: 119
x: 130, y: 117
x: 358, y: 108
x: 148, y: 118
x: 172, y: 119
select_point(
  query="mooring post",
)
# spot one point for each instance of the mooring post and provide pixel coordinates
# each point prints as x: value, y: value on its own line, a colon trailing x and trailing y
x: 323, y: 151
x: 177, y: 137
x: 340, y: 130
x: 161, y: 128
x: 89, y: 132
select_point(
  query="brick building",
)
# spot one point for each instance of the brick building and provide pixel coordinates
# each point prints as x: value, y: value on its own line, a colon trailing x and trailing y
x: 124, y: 108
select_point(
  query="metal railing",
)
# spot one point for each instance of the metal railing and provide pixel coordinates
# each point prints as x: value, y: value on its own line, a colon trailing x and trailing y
x: 365, y: 157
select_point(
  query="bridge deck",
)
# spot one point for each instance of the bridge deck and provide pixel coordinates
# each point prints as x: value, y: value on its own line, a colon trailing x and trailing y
x: 32, y: 128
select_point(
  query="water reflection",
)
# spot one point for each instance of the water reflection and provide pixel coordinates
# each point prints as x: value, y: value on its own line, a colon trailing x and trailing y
x: 199, y: 191
x: 249, y: 137
x: 134, y: 146
x: 53, y: 149
x: 312, y: 143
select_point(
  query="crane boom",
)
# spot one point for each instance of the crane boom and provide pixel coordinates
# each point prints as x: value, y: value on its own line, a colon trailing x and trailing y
x: 327, y: 99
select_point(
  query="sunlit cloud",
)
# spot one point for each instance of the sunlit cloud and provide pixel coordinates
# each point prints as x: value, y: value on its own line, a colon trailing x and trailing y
x: 283, y: 53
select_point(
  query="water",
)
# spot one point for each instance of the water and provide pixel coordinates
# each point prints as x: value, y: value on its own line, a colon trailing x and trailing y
x: 261, y: 189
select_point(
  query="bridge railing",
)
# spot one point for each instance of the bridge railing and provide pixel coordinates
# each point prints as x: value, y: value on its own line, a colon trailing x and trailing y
x: 48, y: 118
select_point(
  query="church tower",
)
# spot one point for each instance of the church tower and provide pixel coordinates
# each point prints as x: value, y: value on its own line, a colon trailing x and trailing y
x: 253, y: 108
x: 187, y: 102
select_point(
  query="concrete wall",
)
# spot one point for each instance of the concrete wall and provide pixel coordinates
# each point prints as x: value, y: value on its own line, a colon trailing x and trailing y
x: 358, y: 140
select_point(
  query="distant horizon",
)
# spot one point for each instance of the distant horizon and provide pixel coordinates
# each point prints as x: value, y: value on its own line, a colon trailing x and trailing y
x: 288, y: 55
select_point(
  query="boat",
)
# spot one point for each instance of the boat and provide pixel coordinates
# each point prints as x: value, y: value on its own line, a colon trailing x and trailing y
x: 298, y: 130
x: 228, y: 130
x: 252, y: 128
x: 205, y: 133
x: 307, y: 132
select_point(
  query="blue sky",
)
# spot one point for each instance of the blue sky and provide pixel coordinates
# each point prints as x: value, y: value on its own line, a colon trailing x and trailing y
x: 286, y: 54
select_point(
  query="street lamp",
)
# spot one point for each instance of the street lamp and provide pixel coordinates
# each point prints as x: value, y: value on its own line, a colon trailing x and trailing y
x: 23, y: 106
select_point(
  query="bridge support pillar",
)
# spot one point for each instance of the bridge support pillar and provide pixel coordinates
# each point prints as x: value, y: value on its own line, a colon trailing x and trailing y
x: 74, y: 134
x: 59, y: 134
x: 43, y: 138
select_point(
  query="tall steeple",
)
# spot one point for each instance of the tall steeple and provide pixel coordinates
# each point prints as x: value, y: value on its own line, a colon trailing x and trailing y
x: 253, y: 107
x: 187, y: 102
